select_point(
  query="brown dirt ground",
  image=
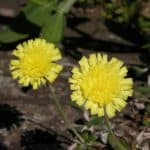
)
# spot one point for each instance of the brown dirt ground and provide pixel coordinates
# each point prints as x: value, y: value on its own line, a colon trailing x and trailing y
x: 38, y: 107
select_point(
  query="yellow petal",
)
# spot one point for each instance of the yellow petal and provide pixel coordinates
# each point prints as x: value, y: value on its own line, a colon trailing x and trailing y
x: 110, y: 110
x: 92, y: 59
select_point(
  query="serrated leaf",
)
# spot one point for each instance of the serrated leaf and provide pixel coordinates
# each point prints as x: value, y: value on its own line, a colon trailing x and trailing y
x: 53, y: 29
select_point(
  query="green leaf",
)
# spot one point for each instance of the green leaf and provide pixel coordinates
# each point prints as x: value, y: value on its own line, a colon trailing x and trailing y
x: 53, y: 30
x: 38, y: 14
x: 148, y: 109
x: 142, y: 89
x: 65, y: 6
x: 133, y: 8
x: 144, y: 22
x: 79, y: 147
x: 146, y: 119
x: 146, y: 45
x: 21, y: 28
x: 28, y: 22
x: 95, y: 121
x: 116, y: 144
x: 9, y: 36
x: 119, y: 11
x: 39, y: 2
x: 89, y: 137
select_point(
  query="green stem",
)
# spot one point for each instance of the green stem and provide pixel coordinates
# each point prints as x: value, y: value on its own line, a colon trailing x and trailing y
x: 62, y: 113
x: 107, y: 121
x: 115, y: 142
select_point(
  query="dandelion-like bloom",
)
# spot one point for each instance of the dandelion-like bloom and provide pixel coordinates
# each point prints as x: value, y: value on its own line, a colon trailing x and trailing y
x: 99, y: 83
x: 35, y: 63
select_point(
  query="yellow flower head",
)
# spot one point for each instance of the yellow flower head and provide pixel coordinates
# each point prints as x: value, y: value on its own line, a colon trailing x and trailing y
x: 35, y: 62
x: 100, y: 83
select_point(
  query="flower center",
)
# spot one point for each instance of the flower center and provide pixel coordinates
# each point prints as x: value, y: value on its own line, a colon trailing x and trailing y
x: 35, y: 65
x: 100, y: 84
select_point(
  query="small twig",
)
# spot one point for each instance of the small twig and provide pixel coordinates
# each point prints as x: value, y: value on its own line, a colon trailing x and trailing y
x: 116, y: 144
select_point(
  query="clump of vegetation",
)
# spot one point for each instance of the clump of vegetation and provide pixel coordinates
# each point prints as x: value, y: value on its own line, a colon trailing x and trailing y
x: 121, y: 11
x: 87, y: 3
x: 128, y: 14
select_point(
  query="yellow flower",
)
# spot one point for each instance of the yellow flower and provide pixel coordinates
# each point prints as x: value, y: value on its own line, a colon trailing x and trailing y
x: 35, y: 63
x: 99, y: 83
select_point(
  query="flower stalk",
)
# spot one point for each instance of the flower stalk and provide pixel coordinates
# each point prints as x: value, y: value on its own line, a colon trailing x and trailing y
x: 63, y: 115
x: 116, y: 143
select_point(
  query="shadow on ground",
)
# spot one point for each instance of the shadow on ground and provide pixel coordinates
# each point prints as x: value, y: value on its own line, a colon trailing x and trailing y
x: 127, y: 32
x: 40, y: 140
x: 3, y: 147
x: 9, y: 116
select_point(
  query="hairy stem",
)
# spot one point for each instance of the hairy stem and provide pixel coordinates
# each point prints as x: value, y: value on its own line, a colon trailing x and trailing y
x: 62, y: 113
x: 115, y: 143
